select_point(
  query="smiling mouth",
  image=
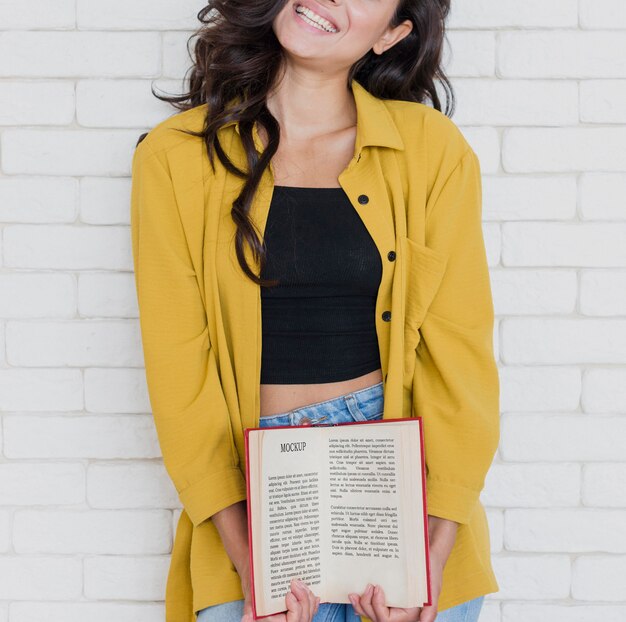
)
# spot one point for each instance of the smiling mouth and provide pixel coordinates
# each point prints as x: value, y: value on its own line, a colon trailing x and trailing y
x: 315, y: 20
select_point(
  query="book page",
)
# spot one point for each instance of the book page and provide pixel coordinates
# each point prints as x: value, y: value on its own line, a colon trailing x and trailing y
x: 290, y: 507
x: 372, y: 526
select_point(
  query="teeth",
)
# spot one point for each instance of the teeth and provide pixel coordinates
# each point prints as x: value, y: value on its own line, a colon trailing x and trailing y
x: 314, y: 19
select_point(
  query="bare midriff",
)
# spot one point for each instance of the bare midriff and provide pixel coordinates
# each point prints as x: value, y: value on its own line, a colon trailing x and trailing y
x: 281, y: 398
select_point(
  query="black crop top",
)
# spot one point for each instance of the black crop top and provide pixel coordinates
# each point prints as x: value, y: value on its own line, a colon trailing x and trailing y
x: 318, y: 323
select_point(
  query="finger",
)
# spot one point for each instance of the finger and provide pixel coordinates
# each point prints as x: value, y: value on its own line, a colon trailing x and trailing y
x: 356, y: 604
x: 366, y: 602
x: 294, y: 607
x: 378, y: 604
x: 428, y: 614
x: 301, y: 592
x: 311, y: 599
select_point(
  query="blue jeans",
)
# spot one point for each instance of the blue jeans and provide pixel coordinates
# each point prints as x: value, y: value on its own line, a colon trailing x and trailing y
x: 360, y: 405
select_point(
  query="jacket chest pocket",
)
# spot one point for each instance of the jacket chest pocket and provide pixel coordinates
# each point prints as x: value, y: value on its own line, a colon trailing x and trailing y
x: 423, y: 270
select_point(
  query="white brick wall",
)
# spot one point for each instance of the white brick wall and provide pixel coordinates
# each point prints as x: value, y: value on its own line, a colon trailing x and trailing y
x: 86, y: 509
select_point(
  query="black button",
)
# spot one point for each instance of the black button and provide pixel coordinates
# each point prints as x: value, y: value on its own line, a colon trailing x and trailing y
x: 386, y: 315
x: 363, y: 198
x: 391, y: 255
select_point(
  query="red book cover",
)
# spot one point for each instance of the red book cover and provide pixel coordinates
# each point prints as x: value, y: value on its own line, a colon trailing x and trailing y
x: 374, y: 421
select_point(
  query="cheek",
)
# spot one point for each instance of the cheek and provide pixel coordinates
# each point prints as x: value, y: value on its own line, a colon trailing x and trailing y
x: 366, y: 25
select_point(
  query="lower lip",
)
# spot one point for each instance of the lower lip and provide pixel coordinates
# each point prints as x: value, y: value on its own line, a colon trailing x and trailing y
x: 308, y: 26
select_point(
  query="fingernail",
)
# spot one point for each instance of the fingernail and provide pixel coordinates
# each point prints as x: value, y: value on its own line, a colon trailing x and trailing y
x: 369, y: 587
x: 376, y: 589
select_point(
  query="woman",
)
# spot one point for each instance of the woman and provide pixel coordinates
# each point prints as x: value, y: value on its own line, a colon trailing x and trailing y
x: 339, y: 227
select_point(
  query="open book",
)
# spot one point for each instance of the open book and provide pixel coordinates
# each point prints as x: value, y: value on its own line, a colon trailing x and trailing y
x: 338, y: 506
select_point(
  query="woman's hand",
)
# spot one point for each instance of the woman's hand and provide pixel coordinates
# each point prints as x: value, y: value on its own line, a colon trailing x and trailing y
x: 302, y: 604
x: 441, y: 536
x: 372, y: 602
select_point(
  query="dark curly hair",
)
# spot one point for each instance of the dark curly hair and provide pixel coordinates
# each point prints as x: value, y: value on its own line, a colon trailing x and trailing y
x: 237, y: 58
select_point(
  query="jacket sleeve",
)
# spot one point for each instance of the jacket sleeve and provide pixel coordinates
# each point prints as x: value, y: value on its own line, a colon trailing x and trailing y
x: 456, y: 383
x: 188, y: 405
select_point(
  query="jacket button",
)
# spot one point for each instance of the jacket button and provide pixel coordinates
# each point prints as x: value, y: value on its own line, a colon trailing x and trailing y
x: 386, y: 315
x: 391, y: 255
x: 363, y: 198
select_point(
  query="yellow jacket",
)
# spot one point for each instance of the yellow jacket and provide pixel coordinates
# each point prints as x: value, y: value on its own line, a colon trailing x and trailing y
x: 415, y: 182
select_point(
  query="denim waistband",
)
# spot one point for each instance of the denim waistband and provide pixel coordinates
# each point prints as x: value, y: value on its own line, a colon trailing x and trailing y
x: 368, y: 400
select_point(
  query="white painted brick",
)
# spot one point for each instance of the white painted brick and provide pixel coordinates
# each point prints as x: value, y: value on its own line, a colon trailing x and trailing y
x: 534, y: 292
x: 116, y: 390
x: 561, y: 54
x: 533, y: 485
x: 125, y: 577
x: 564, y: 244
x: 486, y: 143
x: 33, y: 295
x: 175, y: 55
x: 604, y: 485
x: 516, y: 102
x: 105, y: 201
x: 565, y: 612
x: 42, y: 483
x: 35, y: 14
x: 573, y: 530
x: 36, y: 577
x: 79, y: 54
x: 596, y: 577
x: 470, y: 54
x: 122, y: 532
x: 491, y: 235
x: 78, y: 343
x: 123, y: 437
x: 604, y: 390
x: 136, y: 15
x: 36, y: 103
x: 532, y: 577
x: 52, y: 390
x: 68, y: 247
x: 601, y: 196
x: 563, y: 341
x: 68, y: 152
x: 79, y: 611
x: 5, y: 530
x: 536, y: 389
x: 602, y: 14
x: 121, y: 103
x: 529, y: 197
x: 137, y: 485
x: 510, y: 14
x: 32, y: 199
x: 495, y: 519
x: 562, y: 438
x: 563, y: 149
x: 490, y: 611
x: 107, y: 295
x: 603, y: 101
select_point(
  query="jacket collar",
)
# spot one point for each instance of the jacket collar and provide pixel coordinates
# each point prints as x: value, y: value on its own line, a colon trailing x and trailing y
x: 375, y: 125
